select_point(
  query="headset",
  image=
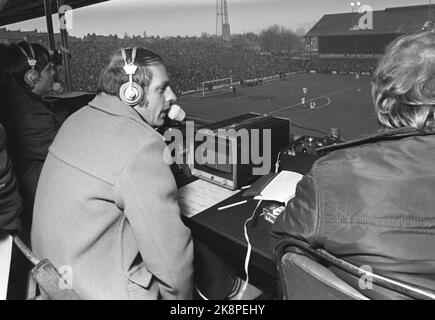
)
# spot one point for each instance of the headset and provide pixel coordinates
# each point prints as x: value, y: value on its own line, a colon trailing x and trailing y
x: 31, y: 77
x: 131, y: 93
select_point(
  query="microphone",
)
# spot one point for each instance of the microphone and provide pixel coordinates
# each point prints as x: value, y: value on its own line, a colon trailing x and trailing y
x: 176, y: 113
x: 57, y: 88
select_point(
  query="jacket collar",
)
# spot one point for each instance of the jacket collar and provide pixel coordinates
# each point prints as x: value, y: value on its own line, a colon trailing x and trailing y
x: 381, y: 135
x: 19, y: 91
x: 114, y: 106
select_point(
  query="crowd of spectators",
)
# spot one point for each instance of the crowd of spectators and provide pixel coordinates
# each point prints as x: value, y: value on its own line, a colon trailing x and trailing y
x: 190, y: 61
x: 339, y: 65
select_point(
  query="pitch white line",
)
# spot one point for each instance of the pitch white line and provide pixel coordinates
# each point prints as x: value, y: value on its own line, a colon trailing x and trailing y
x: 326, y: 95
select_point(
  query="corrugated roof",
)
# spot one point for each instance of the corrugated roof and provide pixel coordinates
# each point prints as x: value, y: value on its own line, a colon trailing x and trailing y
x: 398, y: 20
x: 22, y: 10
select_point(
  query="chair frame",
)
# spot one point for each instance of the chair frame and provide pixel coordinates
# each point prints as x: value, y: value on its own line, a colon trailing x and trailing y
x: 322, y: 255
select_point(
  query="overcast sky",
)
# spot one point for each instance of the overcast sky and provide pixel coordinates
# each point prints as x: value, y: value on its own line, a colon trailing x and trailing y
x: 192, y: 17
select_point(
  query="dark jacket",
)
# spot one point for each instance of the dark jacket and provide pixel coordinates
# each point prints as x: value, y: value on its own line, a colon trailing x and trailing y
x: 371, y: 202
x: 31, y: 127
x: 10, y: 199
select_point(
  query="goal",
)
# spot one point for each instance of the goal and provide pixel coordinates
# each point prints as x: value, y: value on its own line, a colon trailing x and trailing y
x: 216, y: 86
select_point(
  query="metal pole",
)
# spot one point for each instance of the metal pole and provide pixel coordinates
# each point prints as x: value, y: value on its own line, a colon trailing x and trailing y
x: 49, y: 20
x: 65, y: 48
x: 50, y: 31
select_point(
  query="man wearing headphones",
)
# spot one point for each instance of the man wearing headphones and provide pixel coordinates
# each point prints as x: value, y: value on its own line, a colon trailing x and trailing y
x: 30, y: 124
x: 106, y: 204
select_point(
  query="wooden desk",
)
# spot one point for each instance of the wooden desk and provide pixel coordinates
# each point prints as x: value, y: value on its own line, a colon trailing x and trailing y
x: 223, y: 231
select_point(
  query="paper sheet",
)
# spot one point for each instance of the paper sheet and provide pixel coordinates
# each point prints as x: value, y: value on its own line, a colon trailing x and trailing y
x: 282, y: 188
x: 201, y: 195
x: 5, y: 263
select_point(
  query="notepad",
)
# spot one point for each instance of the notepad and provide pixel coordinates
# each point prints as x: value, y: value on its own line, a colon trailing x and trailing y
x: 281, y: 188
x: 201, y: 195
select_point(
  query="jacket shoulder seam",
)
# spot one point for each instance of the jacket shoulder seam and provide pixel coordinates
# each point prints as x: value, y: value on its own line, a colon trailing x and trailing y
x: 81, y: 169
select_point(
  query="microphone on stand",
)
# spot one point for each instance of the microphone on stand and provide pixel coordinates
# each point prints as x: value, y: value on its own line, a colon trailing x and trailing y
x: 174, y: 118
x: 58, y: 88
x: 176, y: 113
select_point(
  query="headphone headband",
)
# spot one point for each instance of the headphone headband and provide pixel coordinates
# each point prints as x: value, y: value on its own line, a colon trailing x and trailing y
x: 31, y: 60
x: 130, y: 68
x: 32, y: 76
x: 130, y: 92
x: 133, y: 55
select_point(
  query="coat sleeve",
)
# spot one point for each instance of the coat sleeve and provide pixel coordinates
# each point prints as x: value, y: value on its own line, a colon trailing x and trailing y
x: 32, y: 127
x: 39, y: 130
x: 301, y: 218
x: 149, y: 194
x: 10, y: 199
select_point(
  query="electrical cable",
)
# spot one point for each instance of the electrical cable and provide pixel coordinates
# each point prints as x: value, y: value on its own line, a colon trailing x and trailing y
x: 201, y: 294
x: 242, y: 292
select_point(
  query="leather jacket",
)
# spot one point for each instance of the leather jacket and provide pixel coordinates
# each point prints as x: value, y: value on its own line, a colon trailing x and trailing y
x: 371, y: 202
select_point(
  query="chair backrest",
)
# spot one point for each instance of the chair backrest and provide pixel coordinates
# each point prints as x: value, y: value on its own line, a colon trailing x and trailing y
x: 305, y: 273
x: 5, y: 262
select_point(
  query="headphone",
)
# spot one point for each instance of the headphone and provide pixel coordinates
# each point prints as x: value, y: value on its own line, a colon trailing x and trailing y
x: 31, y: 77
x: 131, y: 93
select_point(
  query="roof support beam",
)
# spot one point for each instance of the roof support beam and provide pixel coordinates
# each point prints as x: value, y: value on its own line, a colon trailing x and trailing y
x: 22, y: 10
x: 65, y: 48
x: 49, y: 20
x: 50, y: 31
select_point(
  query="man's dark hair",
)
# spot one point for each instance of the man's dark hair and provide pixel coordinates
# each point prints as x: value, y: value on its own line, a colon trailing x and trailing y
x: 113, y: 76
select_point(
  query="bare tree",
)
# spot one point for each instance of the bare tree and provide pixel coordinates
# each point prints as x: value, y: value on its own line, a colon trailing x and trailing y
x: 278, y: 39
x: 205, y: 35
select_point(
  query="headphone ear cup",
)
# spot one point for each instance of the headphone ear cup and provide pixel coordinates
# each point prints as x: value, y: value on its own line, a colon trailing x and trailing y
x: 131, y: 95
x: 31, y: 77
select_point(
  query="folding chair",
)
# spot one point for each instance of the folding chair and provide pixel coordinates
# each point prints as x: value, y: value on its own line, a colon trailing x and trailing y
x: 305, y: 274
x: 47, y: 277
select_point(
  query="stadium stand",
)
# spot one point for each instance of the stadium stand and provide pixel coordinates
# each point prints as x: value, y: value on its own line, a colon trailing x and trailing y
x: 341, y: 65
x: 338, y: 42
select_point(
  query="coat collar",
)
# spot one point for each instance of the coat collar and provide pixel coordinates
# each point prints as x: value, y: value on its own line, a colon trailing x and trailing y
x: 21, y: 92
x: 381, y: 135
x: 114, y: 106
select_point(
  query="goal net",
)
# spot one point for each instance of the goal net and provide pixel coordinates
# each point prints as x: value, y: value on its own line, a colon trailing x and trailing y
x: 216, y: 86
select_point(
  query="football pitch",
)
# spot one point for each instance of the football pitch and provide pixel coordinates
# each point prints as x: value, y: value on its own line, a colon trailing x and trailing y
x: 341, y: 101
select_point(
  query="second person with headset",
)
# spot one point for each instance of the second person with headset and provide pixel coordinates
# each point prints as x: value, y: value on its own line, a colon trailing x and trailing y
x: 27, y: 76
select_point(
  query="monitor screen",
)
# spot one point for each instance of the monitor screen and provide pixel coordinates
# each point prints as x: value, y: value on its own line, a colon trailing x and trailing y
x: 215, y: 160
